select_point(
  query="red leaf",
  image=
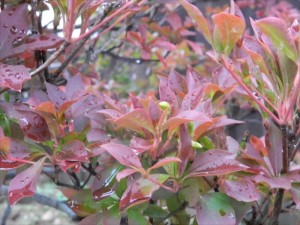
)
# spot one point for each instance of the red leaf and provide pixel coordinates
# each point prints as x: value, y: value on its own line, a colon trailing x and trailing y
x: 33, y: 125
x: 18, y: 150
x: 177, y: 83
x: 185, y: 147
x: 242, y: 189
x: 154, y: 111
x: 13, y: 77
x: 57, y: 96
x: 140, y: 191
x: 73, y: 151
x: 97, y: 135
x: 35, y: 42
x: 136, y: 120
x: 24, y: 184
x: 184, y: 117
x: 273, y: 141
x: 14, y: 27
x: 123, y: 154
x: 214, y: 163
x: 192, y: 99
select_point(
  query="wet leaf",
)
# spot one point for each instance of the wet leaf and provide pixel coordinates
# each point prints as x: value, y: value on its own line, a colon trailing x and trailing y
x: 13, y: 76
x: 72, y: 153
x: 123, y: 154
x: 214, y: 163
x: 276, y: 30
x: 14, y: 27
x: 184, y: 117
x: 136, y: 120
x: 24, y: 184
x: 140, y: 191
x: 33, y: 125
x: 198, y: 18
x: 214, y: 208
x: 241, y: 189
x: 227, y: 31
x: 274, y: 182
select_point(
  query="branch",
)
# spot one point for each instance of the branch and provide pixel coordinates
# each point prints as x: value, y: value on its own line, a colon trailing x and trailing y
x: 44, y: 200
x: 50, y: 60
x: 130, y: 60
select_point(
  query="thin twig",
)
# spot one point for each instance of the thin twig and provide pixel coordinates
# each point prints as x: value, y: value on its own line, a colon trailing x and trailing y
x: 78, y: 47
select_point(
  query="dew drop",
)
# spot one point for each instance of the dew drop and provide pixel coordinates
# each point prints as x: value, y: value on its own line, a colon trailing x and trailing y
x: 13, y: 30
x: 5, y: 25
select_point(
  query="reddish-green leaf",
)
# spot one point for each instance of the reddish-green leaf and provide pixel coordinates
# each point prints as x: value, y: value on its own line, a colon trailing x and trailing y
x: 13, y: 77
x: 214, y: 163
x: 24, y: 184
x: 228, y: 30
x: 164, y: 162
x: 141, y: 191
x: 277, y: 31
x: 274, y: 182
x: 136, y: 120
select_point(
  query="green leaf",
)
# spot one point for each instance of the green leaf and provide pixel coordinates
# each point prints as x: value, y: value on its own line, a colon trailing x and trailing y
x: 276, y: 30
x: 214, y: 208
x: 155, y: 211
x: 227, y: 31
x: 136, y: 218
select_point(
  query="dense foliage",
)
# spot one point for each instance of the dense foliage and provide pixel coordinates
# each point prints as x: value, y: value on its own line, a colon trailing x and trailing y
x: 159, y: 154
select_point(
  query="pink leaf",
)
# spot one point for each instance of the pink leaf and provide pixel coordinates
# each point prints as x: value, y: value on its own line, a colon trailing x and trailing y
x: 166, y: 94
x: 13, y: 77
x: 184, y: 117
x: 123, y: 154
x: 214, y: 163
x: 164, y: 162
x: 140, y: 145
x: 242, y: 189
x: 274, y: 182
x: 24, y: 184
x: 57, y: 96
x: 177, y: 83
x: 125, y: 173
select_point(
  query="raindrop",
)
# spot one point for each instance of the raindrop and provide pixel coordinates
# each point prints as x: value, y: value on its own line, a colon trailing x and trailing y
x: 5, y: 25
x: 231, y: 216
x: 13, y: 30
x: 10, y: 12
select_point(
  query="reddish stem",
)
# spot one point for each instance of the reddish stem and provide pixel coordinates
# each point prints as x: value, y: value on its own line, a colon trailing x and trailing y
x: 70, y: 20
x: 293, y: 98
